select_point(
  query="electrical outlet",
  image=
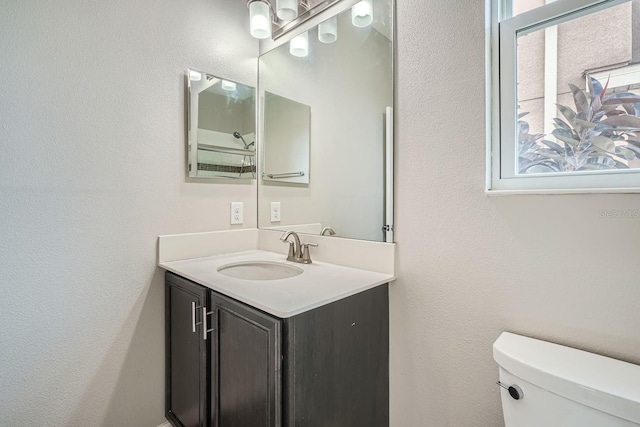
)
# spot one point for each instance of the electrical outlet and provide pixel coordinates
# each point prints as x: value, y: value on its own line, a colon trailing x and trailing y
x: 237, y: 214
x: 275, y: 211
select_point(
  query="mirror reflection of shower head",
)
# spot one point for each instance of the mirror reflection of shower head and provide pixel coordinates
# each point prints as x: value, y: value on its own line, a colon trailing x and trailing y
x: 238, y: 136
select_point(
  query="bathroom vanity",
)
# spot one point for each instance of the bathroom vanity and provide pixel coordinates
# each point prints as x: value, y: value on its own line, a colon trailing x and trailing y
x: 310, y: 350
x: 321, y: 359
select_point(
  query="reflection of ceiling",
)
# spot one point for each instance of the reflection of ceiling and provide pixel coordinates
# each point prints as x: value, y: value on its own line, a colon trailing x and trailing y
x: 241, y: 93
x: 213, y: 84
x: 383, y: 18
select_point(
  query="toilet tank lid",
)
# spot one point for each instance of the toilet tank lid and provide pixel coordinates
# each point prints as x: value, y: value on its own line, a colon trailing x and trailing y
x: 602, y: 383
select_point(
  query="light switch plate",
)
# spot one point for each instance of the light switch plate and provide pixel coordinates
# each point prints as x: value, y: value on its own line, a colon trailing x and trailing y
x: 237, y: 214
x: 275, y: 211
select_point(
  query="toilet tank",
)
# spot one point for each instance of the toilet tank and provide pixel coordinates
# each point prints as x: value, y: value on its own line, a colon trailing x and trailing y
x: 565, y: 387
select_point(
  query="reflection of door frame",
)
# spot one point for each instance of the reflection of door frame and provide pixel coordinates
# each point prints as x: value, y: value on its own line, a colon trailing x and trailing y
x: 388, y: 170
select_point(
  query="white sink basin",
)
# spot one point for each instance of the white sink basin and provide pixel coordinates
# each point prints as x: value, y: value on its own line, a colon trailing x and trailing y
x: 259, y: 270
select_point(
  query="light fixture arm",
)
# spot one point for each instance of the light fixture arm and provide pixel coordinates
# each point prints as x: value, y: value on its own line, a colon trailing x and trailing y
x: 281, y: 17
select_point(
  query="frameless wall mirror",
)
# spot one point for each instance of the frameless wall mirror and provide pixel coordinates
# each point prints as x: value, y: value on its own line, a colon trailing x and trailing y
x: 286, y: 140
x: 221, y: 127
x: 341, y: 71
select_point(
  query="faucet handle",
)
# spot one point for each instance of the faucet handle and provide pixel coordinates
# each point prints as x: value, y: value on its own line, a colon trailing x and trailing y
x: 292, y: 250
x: 306, y: 252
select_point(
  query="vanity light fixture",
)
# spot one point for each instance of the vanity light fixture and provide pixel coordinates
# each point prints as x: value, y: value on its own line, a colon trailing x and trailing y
x: 260, y: 19
x: 362, y: 13
x: 228, y: 86
x: 287, y: 10
x: 195, y: 76
x: 299, y: 45
x: 328, y: 30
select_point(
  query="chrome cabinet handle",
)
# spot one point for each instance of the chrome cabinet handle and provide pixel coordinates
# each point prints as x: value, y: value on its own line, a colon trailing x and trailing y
x: 205, y: 331
x: 193, y: 317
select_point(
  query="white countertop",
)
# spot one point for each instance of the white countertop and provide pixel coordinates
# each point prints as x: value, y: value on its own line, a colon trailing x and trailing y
x: 319, y: 284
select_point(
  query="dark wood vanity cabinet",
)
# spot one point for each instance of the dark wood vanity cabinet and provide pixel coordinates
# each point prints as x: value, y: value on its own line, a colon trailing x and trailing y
x: 246, y: 363
x: 187, y: 367
x: 325, y: 367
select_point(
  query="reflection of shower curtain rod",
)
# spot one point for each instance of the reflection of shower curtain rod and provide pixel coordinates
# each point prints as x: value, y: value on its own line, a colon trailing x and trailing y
x: 226, y: 150
x: 283, y: 175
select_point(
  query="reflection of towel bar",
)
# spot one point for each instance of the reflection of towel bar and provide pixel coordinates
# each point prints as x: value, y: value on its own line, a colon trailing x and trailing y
x: 226, y: 150
x: 283, y: 175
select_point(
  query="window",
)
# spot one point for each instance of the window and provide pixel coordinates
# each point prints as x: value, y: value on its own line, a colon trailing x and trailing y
x: 566, y: 95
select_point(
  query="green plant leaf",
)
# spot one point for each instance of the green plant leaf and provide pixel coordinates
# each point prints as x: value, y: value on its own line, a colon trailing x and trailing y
x: 567, y: 112
x: 595, y: 88
x: 629, y: 109
x: 550, y: 154
x: 621, y: 166
x: 565, y: 136
x: 603, y: 143
x: 590, y: 86
x: 585, y: 124
x: 619, y: 101
x: 561, y: 124
x: 580, y: 99
x: 622, y: 121
x: 590, y: 166
x: 553, y: 146
x: 596, y: 104
x: 604, y: 91
x: 599, y: 161
x: 607, y: 108
x: 621, y: 97
x: 635, y: 149
x: 626, y: 153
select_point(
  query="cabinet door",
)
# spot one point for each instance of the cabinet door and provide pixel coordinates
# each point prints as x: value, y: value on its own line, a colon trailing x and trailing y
x: 186, y: 353
x: 336, y: 363
x: 246, y: 361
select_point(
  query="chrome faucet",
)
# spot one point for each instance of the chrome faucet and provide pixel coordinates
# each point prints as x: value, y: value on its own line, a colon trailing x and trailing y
x: 295, y: 251
x: 298, y: 252
x: 327, y: 230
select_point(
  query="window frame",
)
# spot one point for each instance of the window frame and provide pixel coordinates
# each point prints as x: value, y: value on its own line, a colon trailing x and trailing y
x: 502, y: 104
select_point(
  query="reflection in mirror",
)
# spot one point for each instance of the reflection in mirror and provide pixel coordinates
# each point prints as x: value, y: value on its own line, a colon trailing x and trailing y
x: 221, y: 136
x: 286, y: 140
x: 344, y: 72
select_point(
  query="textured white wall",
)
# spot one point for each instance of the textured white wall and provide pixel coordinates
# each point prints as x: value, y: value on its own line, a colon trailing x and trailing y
x: 471, y: 266
x: 92, y: 170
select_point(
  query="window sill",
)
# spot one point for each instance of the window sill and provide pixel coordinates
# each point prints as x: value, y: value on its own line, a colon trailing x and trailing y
x: 556, y: 191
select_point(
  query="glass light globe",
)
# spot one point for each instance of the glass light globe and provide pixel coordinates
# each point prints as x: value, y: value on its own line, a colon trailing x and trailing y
x: 362, y: 13
x: 260, y: 20
x: 299, y: 45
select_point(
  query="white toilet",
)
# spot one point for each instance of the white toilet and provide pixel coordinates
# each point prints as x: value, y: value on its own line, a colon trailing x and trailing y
x: 549, y: 385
